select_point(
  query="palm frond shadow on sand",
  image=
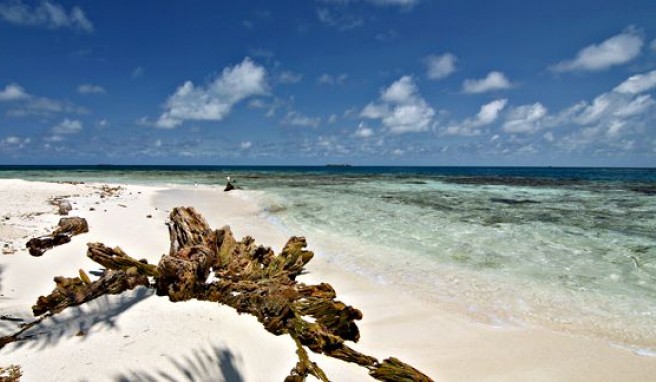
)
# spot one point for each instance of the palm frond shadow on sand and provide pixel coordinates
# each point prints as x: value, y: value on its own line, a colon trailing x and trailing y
x: 99, y: 314
x: 214, y: 364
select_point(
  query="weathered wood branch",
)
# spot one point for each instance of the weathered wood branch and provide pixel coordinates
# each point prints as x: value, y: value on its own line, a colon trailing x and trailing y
x: 67, y: 228
x: 304, y: 367
x: 11, y: 373
x: 393, y: 370
x: 78, y: 290
x: 115, y: 258
x: 249, y: 278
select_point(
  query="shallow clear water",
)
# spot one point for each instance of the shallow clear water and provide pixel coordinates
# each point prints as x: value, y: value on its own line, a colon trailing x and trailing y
x: 573, y: 249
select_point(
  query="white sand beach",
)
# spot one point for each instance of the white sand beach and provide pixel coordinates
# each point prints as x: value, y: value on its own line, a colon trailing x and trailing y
x: 138, y: 336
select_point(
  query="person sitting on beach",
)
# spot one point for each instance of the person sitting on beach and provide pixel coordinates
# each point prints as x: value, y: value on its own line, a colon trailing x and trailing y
x: 229, y: 186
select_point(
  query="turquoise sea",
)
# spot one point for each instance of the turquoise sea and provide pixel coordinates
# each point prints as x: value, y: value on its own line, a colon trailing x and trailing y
x: 573, y: 249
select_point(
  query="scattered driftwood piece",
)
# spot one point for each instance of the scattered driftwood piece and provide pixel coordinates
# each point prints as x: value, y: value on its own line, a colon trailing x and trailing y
x: 8, y: 250
x: 63, y: 205
x: 67, y: 228
x: 249, y: 278
x: 108, y: 191
x: 10, y: 318
x: 11, y: 373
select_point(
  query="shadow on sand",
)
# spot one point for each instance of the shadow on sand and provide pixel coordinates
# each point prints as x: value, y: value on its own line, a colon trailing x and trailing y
x: 214, y: 364
x: 100, y: 313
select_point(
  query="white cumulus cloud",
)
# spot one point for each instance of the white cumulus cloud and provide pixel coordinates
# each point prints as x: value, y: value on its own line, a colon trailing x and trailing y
x: 363, y: 131
x: 493, y: 81
x: 613, y: 119
x: 14, y: 141
x: 636, y: 106
x: 440, y: 66
x: 68, y: 126
x: 401, y: 108
x: 638, y: 84
x: 27, y: 104
x: 13, y: 92
x: 47, y: 14
x: 400, y: 92
x: 616, y: 50
x: 613, y: 106
x: 487, y: 115
x: 375, y: 111
x: 525, y: 118
x: 591, y: 113
x: 490, y: 111
x: 214, y: 101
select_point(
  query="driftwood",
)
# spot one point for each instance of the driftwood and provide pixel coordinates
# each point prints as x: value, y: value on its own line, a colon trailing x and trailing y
x: 11, y: 373
x: 249, y: 278
x: 67, y: 228
x: 63, y: 205
x: 108, y: 191
x: 78, y: 290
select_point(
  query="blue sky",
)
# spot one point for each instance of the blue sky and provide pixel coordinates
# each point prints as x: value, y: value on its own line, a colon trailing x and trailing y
x: 370, y: 82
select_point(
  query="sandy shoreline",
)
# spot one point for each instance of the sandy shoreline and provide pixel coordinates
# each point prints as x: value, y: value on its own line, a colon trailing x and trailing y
x: 139, y: 336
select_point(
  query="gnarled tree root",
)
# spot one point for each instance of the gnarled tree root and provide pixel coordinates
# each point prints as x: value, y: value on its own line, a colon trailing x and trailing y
x: 249, y: 278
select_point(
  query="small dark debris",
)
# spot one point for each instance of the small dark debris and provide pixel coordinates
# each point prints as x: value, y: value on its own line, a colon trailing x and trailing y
x: 513, y: 201
x: 10, y: 318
